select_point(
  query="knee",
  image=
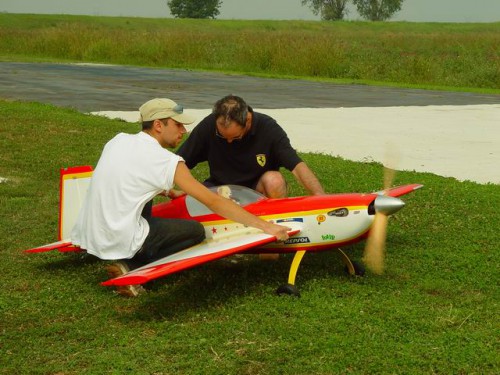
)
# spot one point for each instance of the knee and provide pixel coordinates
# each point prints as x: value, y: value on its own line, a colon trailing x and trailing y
x: 198, y: 231
x: 273, y: 185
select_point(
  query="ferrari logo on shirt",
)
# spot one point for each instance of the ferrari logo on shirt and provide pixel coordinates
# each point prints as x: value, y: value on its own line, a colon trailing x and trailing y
x: 261, y: 159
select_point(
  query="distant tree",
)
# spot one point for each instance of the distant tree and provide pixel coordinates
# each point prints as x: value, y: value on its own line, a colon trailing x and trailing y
x: 329, y: 10
x: 194, y: 8
x: 377, y: 10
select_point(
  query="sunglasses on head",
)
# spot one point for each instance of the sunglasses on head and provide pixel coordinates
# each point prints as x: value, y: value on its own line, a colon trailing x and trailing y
x: 178, y: 109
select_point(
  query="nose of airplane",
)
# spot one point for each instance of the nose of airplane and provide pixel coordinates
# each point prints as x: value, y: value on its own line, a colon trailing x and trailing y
x: 388, y: 205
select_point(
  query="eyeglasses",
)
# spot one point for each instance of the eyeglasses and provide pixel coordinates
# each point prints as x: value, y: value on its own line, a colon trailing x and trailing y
x: 237, y: 138
x: 227, y: 121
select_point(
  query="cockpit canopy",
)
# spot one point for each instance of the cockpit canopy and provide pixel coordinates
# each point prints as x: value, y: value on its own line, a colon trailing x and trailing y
x: 239, y: 194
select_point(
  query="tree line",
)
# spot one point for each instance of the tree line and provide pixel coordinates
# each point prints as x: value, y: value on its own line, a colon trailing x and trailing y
x: 328, y: 10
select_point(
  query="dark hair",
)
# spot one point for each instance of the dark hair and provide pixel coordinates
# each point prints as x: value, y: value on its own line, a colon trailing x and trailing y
x: 232, y: 108
x: 146, y: 125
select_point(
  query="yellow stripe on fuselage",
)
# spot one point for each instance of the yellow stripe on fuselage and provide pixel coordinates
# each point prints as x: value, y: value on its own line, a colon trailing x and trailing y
x: 288, y: 215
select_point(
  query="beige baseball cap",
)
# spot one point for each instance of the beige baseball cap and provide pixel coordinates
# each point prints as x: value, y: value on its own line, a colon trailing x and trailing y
x: 160, y: 108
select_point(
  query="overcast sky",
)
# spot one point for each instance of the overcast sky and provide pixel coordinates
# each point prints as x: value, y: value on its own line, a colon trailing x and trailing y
x: 413, y: 10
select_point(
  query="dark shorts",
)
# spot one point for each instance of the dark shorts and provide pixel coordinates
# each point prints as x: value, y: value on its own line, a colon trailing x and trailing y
x: 166, y: 237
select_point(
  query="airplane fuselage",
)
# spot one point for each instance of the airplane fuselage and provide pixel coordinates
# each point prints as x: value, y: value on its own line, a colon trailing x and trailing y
x: 326, y: 221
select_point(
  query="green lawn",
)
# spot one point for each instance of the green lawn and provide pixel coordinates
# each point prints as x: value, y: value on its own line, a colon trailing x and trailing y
x: 433, y: 311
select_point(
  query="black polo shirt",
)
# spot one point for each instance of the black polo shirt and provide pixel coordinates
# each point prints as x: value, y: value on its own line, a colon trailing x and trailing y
x: 265, y: 147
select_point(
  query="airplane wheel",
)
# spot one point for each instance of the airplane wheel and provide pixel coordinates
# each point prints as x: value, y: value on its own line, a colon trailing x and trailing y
x: 359, y: 268
x: 288, y: 289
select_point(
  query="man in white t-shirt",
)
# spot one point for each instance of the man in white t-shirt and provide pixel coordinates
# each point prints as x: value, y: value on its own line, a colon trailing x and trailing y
x: 115, y: 221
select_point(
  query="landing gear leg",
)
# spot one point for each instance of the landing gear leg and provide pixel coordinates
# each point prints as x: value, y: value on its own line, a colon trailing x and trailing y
x: 290, y: 288
x: 353, y: 268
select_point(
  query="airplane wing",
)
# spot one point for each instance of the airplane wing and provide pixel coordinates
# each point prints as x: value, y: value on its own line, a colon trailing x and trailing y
x: 206, y: 251
x: 63, y: 246
x: 400, y: 190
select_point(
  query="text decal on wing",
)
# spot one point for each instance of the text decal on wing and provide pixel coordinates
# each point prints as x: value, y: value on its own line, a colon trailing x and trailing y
x: 290, y: 219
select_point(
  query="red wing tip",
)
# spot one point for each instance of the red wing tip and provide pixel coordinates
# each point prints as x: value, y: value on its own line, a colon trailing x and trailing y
x: 126, y: 280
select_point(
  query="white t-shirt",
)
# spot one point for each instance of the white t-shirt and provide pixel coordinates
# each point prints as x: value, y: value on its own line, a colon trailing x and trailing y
x: 132, y: 169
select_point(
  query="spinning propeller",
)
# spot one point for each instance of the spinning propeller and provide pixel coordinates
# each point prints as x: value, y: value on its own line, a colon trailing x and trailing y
x: 384, y: 206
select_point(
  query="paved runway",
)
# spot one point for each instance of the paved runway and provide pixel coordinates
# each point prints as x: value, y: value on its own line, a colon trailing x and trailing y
x: 450, y: 134
x: 124, y: 88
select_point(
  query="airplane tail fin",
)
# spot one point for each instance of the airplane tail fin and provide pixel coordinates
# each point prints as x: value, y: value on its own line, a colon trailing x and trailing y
x: 73, y: 185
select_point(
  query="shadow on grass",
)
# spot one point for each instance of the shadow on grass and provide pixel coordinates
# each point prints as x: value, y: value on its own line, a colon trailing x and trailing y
x: 221, y: 282
x: 69, y: 261
x: 79, y: 266
x: 211, y: 286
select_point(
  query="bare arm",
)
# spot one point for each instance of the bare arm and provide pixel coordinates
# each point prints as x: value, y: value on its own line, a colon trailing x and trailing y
x: 174, y: 193
x: 307, y: 179
x: 223, y: 206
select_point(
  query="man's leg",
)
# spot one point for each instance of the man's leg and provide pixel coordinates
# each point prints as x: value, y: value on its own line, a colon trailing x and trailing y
x: 166, y: 237
x: 272, y: 184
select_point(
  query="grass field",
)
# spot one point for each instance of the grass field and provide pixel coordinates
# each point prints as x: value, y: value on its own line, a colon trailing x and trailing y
x: 434, y: 311
x: 451, y: 56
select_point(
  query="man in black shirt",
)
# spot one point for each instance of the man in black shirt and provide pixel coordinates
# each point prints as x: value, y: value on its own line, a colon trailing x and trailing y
x: 246, y: 148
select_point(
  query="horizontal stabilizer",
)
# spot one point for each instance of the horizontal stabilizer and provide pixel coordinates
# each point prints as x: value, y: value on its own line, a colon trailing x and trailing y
x: 204, y: 252
x: 62, y: 246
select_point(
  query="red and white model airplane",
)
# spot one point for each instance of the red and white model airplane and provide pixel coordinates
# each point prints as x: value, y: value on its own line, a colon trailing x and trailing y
x: 318, y: 223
